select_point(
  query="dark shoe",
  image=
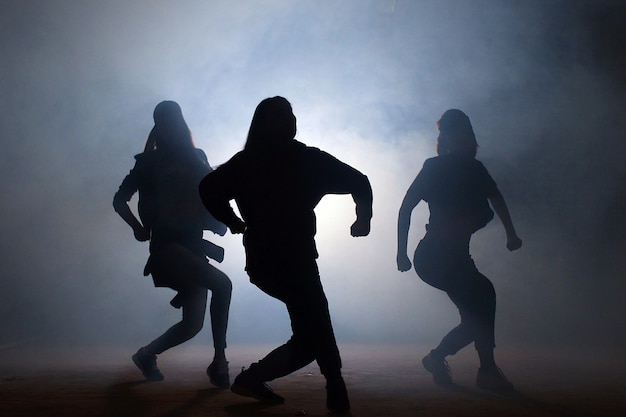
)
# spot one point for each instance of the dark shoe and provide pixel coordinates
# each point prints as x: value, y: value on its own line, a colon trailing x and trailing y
x: 439, y: 368
x: 147, y: 365
x: 337, y: 396
x: 249, y: 387
x: 218, y: 374
x: 493, y: 380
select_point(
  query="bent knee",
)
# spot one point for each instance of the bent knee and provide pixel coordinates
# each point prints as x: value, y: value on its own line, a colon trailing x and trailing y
x: 193, y: 327
x: 227, y: 285
x: 223, y: 290
x: 224, y: 285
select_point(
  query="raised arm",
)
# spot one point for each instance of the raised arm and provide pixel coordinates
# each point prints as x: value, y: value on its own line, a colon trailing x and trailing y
x: 513, y: 242
x: 411, y: 200
x: 337, y: 177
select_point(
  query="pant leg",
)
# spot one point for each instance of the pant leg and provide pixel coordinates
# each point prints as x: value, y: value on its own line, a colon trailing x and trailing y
x: 194, y: 308
x: 475, y: 298
x: 313, y: 336
x: 221, y: 290
x: 312, y: 327
x: 455, y: 340
x: 189, y: 274
x: 452, y: 270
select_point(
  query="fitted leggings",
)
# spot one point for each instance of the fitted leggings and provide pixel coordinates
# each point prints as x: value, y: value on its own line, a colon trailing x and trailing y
x: 193, y: 277
x: 448, y: 266
x: 299, y: 287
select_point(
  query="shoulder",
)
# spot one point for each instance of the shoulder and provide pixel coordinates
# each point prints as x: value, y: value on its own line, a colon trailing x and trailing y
x: 236, y: 162
x: 484, y: 174
x: 146, y: 160
x: 434, y: 169
x: 433, y: 163
x: 238, y: 158
x: 300, y: 153
x: 312, y: 152
x: 140, y: 157
x: 202, y: 155
x: 429, y: 166
x: 297, y: 146
x: 479, y: 166
x: 148, y: 157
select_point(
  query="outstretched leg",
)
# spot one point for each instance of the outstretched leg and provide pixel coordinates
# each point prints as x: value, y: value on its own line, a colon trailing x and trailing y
x: 192, y: 276
x: 476, y: 300
x: 194, y: 306
x: 313, y: 337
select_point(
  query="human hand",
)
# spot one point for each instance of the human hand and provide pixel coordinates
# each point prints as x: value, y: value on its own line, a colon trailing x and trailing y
x: 141, y: 234
x: 404, y: 263
x: 513, y: 243
x: 360, y: 228
x: 237, y: 227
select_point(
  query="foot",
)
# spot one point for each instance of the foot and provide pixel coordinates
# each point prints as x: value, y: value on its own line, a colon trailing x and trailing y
x: 250, y: 387
x: 147, y: 365
x: 337, y: 396
x: 439, y: 368
x: 493, y: 380
x: 218, y: 374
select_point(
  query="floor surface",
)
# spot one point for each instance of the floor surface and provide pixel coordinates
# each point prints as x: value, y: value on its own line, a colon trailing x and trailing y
x: 382, y: 381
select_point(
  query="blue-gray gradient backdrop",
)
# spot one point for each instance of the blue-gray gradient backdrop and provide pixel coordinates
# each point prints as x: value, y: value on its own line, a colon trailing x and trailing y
x: 543, y: 82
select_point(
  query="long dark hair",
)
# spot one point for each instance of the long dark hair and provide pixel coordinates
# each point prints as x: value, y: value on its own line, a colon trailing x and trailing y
x: 170, y: 132
x: 273, y: 124
x: 456, y: 135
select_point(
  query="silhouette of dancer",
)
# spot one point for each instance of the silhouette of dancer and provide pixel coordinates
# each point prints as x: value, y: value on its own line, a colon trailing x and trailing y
x: 167, y: 175
x: 276, y: 182
x: 458, y: 190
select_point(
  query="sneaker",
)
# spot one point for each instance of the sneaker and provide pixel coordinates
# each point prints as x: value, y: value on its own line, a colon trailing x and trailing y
x: 246, y: 386
x: 218, y: 374
x: 439, y: 368
x: 147, y: 365
x: 337, y: 396
x: 493, y: 380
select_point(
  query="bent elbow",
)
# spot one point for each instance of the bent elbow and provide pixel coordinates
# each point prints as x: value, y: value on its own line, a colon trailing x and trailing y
x: 118, y: 203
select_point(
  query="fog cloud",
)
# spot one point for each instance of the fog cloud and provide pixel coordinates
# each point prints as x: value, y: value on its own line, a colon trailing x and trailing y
x: 367, y: 80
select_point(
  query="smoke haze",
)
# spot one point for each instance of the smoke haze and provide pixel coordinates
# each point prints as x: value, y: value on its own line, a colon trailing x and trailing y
x: 542, y: 81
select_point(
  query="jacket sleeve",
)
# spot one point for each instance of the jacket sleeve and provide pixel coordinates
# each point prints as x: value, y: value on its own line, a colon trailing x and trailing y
x: 217, y: 189
x: 337, y: 177
x: 129, y: 186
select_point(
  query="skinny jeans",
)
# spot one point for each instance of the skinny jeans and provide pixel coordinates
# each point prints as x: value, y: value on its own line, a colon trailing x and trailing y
x: 192, y: 276
x: 445, y: 263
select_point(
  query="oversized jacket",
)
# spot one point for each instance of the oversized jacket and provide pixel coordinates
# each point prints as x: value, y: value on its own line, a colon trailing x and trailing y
x: 169, y: 204
x: 276, y: 192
